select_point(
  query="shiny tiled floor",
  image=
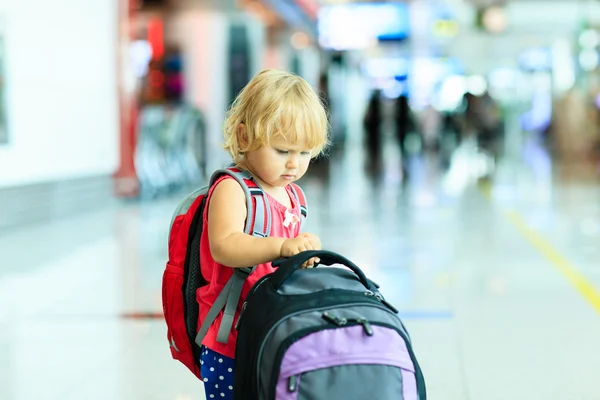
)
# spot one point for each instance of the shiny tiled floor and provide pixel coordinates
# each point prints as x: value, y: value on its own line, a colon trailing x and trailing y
x: 497, y: 282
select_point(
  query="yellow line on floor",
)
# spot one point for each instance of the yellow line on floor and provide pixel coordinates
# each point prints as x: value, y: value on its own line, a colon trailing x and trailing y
x: 564, y: 266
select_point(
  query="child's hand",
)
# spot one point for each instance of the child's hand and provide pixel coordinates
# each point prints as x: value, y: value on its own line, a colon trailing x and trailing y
x: 302, y: 242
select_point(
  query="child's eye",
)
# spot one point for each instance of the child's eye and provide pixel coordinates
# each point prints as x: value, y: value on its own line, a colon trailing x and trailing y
x: 305, y: 153
x: 282, y: 151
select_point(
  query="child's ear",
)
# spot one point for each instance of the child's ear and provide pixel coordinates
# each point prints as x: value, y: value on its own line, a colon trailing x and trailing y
x: 242, y: 135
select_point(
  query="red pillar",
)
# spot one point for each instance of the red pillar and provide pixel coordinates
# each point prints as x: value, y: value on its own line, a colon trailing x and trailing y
x: 126, y: 183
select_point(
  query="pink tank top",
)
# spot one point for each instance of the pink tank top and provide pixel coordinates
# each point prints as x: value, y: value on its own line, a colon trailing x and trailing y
x: 218, y: 274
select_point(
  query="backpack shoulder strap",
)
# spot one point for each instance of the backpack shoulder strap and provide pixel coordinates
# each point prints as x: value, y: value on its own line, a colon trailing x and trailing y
x: 257, y: 224
x: 299, y: 194
x: 257, y: 205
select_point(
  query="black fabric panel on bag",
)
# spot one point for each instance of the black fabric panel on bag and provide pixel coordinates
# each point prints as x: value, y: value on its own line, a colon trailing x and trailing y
x: 193, y: 275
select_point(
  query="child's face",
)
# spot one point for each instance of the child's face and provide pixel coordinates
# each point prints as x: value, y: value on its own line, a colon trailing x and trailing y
x: 280, y: 162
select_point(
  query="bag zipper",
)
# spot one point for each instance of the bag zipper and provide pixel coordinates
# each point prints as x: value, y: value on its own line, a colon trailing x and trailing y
x: 369, y: 296
x: 293, y: 383
x: 381, y: 299
x: 343, y: 321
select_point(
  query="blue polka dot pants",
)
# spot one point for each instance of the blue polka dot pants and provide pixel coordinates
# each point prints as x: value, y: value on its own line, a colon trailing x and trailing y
x: 217, y: 374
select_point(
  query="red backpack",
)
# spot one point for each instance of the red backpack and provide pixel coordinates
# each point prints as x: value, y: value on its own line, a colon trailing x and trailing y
x: 183, y: 277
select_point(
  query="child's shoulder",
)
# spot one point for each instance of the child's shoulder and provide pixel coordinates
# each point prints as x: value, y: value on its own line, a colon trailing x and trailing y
x: 226, y: 200
x: 226, y: 187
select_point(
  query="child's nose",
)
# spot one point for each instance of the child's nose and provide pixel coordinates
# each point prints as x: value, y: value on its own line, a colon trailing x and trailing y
x: 292, y: 161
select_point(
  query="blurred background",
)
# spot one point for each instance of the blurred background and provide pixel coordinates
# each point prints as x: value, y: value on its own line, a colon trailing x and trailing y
x: 464, y: 177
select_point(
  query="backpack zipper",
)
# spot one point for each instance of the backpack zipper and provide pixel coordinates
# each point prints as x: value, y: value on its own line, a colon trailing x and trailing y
x: 293, y: 383
x: 381, y: 299
x: 343, y: 321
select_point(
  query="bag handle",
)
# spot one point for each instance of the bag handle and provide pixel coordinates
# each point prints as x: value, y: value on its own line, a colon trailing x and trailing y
x: 287, y: 266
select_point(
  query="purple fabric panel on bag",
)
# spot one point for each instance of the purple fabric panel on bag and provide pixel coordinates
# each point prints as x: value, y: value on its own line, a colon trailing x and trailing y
x: 346, y: 346
x: 409, y: 386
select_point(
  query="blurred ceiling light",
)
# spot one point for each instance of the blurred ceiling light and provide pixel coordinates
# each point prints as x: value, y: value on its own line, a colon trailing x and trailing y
x: 494, y: 19
x: 395, y: 90
x: 300, y: 40
x: 387, y: 83
x: 563, y: 65
x: 385, y: 67
x: 451, y: 92
x: 476, y: 84
x: 140, y: 53
x: 361, y: 25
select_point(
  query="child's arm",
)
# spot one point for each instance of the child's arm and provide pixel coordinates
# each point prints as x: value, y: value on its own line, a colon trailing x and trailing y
x: 230, y: 246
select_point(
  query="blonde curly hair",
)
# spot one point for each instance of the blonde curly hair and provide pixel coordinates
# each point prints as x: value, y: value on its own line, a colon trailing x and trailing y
x: 276, y: 103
